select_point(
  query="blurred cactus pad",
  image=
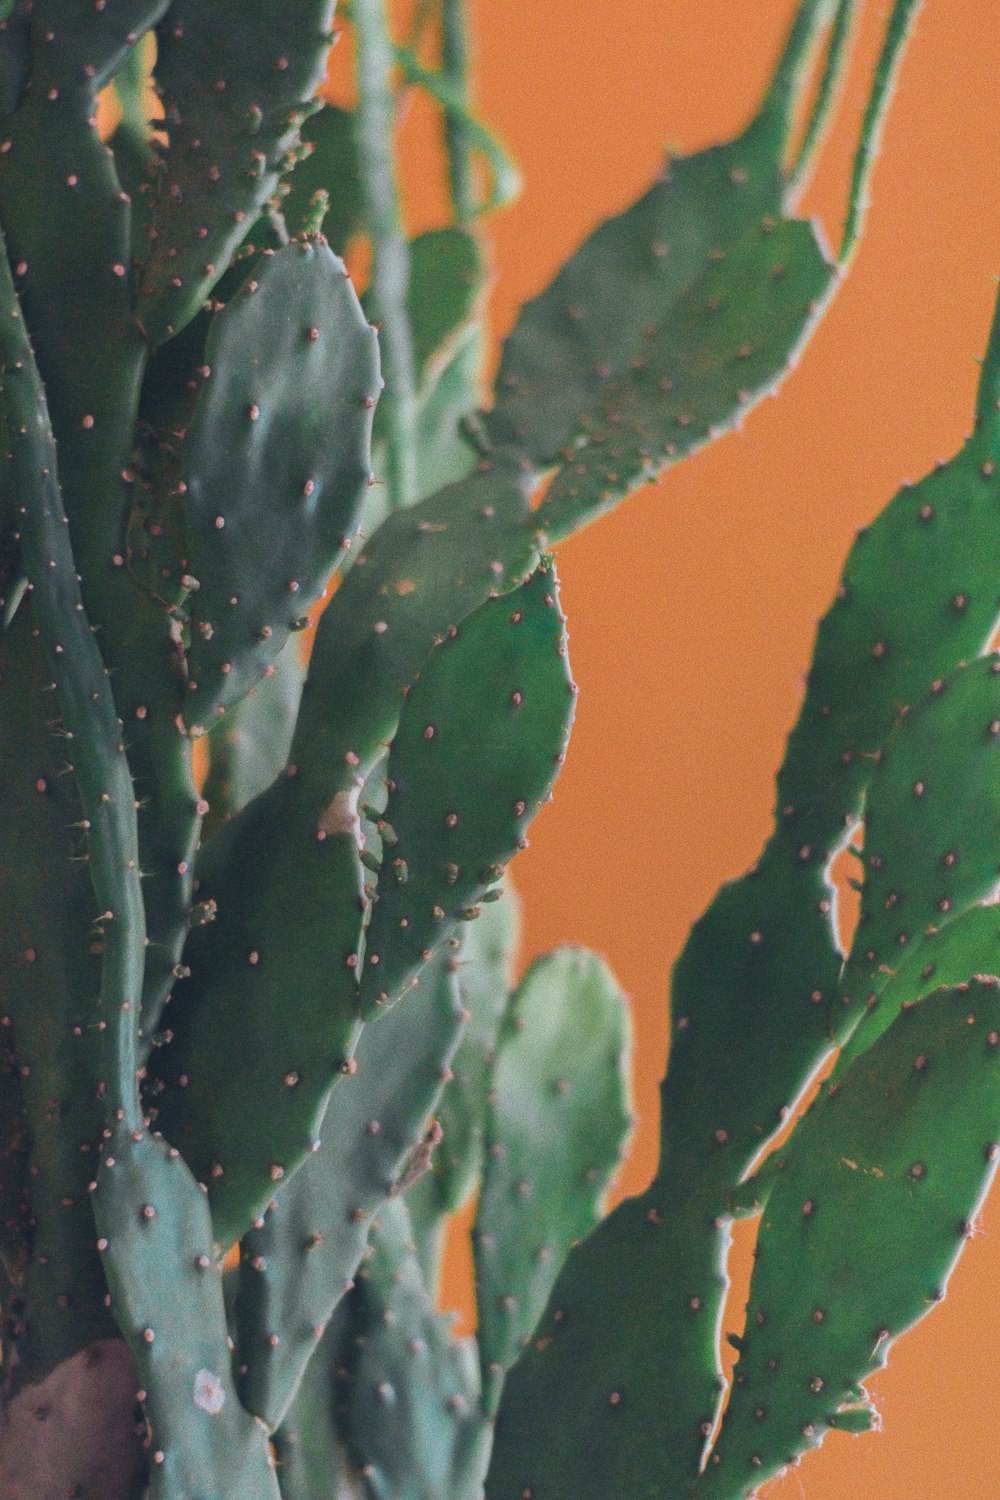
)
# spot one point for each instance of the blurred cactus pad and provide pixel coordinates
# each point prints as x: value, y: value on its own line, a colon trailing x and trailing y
x: 284, y: 682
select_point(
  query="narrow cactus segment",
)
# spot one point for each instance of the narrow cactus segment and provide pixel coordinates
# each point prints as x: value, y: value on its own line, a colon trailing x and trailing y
x: 445, y: 88
x: 932, y: 808
x: 276, y: 463
x: 483, y: 969
x: 156, y: 1240
x: 596, y: 1405
x: 374, y: 125
x: 496, y: 696
x: 725, y: 343
x: 84, y: 698
x: 50, y: 969
x: 270, y: 980
x: 250, y: 750
x: 417, y: 579
x: 902, y: 1149
x: 557, y: 1126
x: 297, y: 1263
x: 413, y: 1423
x: 232, y: 114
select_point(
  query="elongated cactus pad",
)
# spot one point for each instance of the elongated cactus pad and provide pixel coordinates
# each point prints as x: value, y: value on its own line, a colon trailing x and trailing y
x: 298, y: 1262
x: 156, y: 1239
x: 886, y: 1151
x: 556, y: 1128
x: 276, y: 463
x: 496, y: 696
x: 413, y: 1421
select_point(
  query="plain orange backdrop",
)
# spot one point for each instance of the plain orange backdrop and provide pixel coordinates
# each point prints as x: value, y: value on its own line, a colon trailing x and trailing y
x: 692, y: 608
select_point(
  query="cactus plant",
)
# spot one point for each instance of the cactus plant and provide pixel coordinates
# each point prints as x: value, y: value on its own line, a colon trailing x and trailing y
x: 261, y: 1034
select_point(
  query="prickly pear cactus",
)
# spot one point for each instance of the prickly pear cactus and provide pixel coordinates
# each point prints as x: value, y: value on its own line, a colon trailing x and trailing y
x: 261, y: 1034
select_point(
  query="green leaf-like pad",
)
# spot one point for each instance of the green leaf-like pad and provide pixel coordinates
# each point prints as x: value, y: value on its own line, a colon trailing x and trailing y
x: 167, y: 1296
x: 276, y: 464
x: 863, y: 1226
x: 478, y: 747
x: 556, y: 1129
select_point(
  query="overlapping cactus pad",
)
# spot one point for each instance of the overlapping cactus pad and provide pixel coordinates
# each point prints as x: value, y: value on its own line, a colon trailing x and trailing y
x: 262, y: 1034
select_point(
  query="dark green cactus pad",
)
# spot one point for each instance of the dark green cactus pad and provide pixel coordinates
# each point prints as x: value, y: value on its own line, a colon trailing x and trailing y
x: 444, y: 291
x: 556, y: 1128
x: 483, y: 965
x: 249, y: 103
x: 49, y: 974
x: 296, y: 1265
x: 84, y: 699
x: 616, y: 1394
x: 156, y: 1240
x: 276, y: 463
x: 418, y: 577
x: 725, y: 344
x: 902, y: 1150
x: 496, y: 696
x: 723, y: 289
x: 287, y: 934
x: 932, y: 808
x: 413, y: 1422
x: 580, y: 333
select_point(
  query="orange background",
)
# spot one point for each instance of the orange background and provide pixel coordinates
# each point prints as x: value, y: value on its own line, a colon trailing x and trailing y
x: 692, y: 608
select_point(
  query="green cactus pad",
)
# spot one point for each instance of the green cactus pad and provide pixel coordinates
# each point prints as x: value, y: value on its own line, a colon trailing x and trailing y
x: 556, y: 1128
x: 413, y: 1422
x: 49, y: 974
x: 166, y: 1289
x: 418, y: 577
x: 932, y: 808
x: 725, y: 344
x: 917, y: 597
x: 901, y: 1150
x: 249, y: 102
x: 498, y: 697
x: 297, y: 1264
x: 483, y: 966
x: 617, y: 1392
x: 288, y: 934
x: 276, y: 463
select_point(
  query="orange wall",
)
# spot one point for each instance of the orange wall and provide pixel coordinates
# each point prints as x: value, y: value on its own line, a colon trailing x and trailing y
x: 692, y: 608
